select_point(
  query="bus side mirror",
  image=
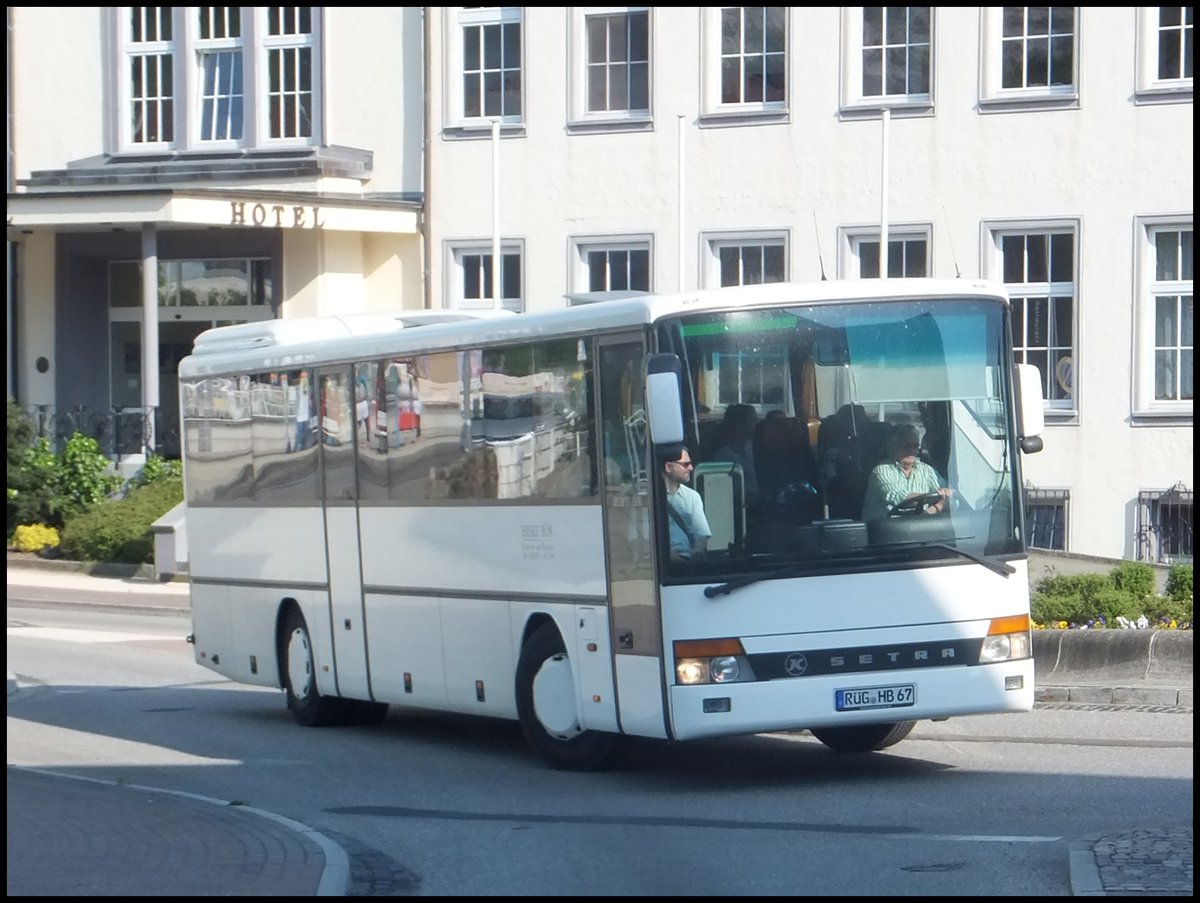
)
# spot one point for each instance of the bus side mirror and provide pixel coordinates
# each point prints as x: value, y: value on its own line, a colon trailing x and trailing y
x: 1031, y: 415
x: 664, y: 400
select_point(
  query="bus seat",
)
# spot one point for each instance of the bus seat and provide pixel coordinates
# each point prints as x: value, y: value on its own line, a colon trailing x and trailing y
x: 788, y: 479
x: 722, y: 487
x: 849, y: 445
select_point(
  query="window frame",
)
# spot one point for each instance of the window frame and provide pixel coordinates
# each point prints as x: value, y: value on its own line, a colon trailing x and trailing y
x: 1147, y: 289
x: 186, y: 51
x: 712, y: 107
x: 992, y: 259
x: 1149, y: 87
x: 579, y: 270
x: 713, y: 243
x: 853, y: 98
x: 456, y: 275
x: 993, y: 94
x: 1148, y: 537
x: 455, y: 18
x: 580, y: 116
x: 1058, y: 499
x: 851, y: 239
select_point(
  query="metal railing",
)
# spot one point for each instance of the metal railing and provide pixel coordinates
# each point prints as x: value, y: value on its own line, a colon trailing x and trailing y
x: 119, y: 431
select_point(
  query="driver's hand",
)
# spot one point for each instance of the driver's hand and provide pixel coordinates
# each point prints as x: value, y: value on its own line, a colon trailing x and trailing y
x: 938, y: 507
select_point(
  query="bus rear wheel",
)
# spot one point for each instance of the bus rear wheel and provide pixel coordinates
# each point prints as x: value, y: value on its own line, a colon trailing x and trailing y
x: 304, y: 701
x: 547, y: 707
x: 863, y: 737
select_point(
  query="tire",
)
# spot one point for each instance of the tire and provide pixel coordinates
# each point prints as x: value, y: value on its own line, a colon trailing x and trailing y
x: 306, y: 704
x: 864, y: 737
x: 566, y: 747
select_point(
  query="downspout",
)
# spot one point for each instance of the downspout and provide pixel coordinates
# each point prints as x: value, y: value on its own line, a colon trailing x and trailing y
x: 426, y: 169
x: 10, y: 319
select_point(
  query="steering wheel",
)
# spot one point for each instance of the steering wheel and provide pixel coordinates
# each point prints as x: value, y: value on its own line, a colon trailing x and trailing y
x: 917, y: 503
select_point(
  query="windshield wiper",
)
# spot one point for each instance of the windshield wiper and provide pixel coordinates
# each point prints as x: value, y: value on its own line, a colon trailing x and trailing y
x: 1003, y: 568
x: 721, y: 589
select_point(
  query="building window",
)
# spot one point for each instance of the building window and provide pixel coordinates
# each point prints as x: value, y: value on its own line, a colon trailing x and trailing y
x: 618, y: 63
x: 610, y: 66
x: 1164, y: 52
x: 745, y: 260
x: 1029, y: 53
x: 486, y: 44
x: 611, y: 265
x: 888, y: 56
x: 753, y: 54
x: 230, y: 283
x: 219, y: 51
x: 745, y: 59
x: 1038, y: 268
x: 1164, y: 319
x: 193, y: 79
x: 1046, y: 518
x: 290, y: 87
x: 472, y: 279
x: 150, y: 64
x: 1164, y: 525
x: 908, y: 255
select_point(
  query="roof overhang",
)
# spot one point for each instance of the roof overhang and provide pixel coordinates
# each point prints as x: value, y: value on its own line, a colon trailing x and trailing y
x: 66, y: 211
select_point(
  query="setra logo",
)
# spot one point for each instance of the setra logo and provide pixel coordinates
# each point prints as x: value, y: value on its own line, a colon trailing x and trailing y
x: 795, y: 664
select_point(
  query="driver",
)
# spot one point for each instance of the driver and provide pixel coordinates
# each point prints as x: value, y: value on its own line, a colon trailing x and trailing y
x: 904, y: 476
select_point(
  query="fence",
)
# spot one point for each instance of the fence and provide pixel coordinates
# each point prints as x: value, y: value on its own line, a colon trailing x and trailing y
x: 119, y: 431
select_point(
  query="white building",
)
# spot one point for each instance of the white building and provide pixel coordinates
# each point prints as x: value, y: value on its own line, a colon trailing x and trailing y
x: 638, y: 148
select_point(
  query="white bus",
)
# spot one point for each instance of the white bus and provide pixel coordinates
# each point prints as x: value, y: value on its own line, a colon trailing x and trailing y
x: 466, y: 514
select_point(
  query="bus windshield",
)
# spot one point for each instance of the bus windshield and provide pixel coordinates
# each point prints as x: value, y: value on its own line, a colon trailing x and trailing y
x: 839, y: 437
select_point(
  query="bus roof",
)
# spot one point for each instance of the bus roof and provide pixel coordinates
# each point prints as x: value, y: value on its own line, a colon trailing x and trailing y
x: 312, y: 341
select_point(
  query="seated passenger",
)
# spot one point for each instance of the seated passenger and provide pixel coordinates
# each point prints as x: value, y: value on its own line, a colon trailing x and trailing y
x: 685, y: 509
x: 904, y: 476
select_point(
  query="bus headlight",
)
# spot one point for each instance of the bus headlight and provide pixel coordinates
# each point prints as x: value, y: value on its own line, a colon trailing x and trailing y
x: 1007, y: 639
x: 691, y: 671
x: 711, y: 662
x: 724, y: 669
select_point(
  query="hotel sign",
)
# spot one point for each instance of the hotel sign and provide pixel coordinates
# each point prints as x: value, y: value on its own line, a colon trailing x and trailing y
x: 277, y: 216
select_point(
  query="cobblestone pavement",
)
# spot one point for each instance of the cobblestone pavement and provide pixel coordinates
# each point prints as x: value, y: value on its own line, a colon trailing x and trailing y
x: 1148, y: 863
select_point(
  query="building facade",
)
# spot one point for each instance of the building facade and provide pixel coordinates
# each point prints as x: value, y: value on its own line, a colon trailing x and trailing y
x: 1049, y: 148
x: 175, y: 168
x: 324, y: 160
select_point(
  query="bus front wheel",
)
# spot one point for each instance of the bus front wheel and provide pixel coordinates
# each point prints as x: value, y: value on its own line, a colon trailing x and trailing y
x: 547, y: 707
x: 863, y: 737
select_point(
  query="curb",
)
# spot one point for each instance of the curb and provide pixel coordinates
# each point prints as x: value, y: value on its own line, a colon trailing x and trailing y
x: 1156, y: 696
x: 118, y: 570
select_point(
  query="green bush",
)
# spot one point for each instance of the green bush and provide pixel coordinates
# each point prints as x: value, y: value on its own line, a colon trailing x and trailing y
x: 45, y: 488
x: 1135, y: 578
x: 83, y: 477
x: 120, y: 529
x: 1179, y: 582
x: 1101, y: 600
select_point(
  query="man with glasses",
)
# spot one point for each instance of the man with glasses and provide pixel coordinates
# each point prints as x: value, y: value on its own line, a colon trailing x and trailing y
x: 905, y: 483
x: 688, y: 525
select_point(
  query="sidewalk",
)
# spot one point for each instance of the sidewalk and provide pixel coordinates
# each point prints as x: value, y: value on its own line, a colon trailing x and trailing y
x: 159, y: 842
x: 72, y: 836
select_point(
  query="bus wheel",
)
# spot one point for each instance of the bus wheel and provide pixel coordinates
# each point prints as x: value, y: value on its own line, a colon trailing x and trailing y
x: 547, y: 707
x: 307, y: 706
x: 863, y: 737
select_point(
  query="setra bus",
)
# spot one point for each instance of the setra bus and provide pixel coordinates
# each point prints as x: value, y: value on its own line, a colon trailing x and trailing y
x: 465, y: 513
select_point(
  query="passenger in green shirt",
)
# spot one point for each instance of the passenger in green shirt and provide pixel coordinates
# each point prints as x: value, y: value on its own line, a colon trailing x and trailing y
x: 904, y: 476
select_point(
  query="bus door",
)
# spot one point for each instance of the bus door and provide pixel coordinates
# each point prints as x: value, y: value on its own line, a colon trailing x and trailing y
x: 634, y: 617
x: 338, y: 428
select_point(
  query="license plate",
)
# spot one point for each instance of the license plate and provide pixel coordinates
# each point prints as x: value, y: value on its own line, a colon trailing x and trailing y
x: 895, y: 696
